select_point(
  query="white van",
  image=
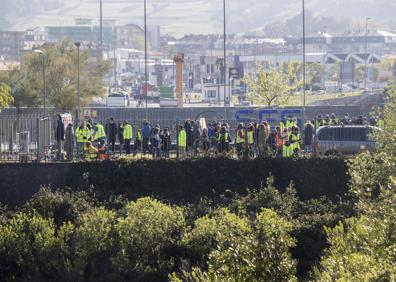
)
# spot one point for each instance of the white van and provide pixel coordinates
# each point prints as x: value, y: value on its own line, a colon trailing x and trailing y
x: 349, y: 139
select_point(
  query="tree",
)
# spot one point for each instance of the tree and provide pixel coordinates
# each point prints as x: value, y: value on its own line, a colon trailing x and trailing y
x: 144, y: 234
x: 272, y: 86
x: 61, y: 75
x: 363, y: 248
x: 5, y: 97
x: 244, y: 250
x: 23, y: 93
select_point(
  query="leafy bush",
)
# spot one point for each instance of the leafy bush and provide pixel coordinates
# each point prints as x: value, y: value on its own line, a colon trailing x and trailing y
x: 204, y: 237
x: 242, y: 250
x: 147, y: 231
x: 61, y: 205
x: 91, y: 244
x: 29, y: 249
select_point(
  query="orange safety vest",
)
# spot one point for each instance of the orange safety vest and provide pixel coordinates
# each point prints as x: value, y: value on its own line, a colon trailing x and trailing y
x: 279, y: 141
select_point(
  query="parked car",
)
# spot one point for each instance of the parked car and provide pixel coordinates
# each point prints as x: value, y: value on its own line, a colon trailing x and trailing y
x: 344, y: 140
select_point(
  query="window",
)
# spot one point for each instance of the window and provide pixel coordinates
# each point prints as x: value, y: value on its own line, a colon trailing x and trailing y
x: 211, y: 93
x: 327, y: 134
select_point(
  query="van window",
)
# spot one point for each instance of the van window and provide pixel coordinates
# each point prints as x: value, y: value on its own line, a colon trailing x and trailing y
x: 344, y: 134
x: 355, y: 134
x: 327, y: 134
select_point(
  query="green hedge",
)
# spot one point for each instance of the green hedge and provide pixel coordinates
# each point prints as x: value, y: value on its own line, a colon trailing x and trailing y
x: 176, y: 181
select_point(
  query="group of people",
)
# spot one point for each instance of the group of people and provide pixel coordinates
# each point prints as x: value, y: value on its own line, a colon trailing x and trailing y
x: 347, y: 120
x: 286, y: 139
x: 255, y: 139
x: 92, y: 140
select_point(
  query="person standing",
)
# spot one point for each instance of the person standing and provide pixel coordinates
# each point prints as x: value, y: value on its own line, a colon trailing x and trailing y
x: 121, y: 136
x: 182, y: 140
x: 166, y: 142
x: 295, y: 141
x: 59, y: 136
x: 250, y: 139
x: 99, y: 134
x: 308, y: 136
x: 138, y: 142
x: 83, y: 135
x: 156, y: 143
x: 69, y: 142
x: 224, y: 140
x: 280, y: 140
x: 240, y: 140
x: 111, y: 131
x: 127, y: 136
x: 262, y: 139
x: 146, y: 130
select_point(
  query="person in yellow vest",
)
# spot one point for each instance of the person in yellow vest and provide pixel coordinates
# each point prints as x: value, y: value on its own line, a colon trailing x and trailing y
x: 250, y: 140
x: 138, y: 141
x: 91, y: 153
x: 224, y: 140
x: 287, y: 147
x: 295, y: 141
x: 127, y: 135
x: 99, y: 133
x: 82, y: 135
x: 182, y: 141
x: 240, y: 139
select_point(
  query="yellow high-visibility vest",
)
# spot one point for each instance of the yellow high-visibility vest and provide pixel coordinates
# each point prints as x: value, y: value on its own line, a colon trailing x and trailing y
x: 240, y: 140
x: 127, y: 133
x: 182, y: 138
x: 100, y: 132
x: 250, y: 137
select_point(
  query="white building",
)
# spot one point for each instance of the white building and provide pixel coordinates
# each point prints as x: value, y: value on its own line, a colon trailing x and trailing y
x: 214, y: 93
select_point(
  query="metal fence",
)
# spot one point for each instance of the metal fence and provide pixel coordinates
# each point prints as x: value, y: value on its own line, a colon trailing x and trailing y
x: 24, y: 139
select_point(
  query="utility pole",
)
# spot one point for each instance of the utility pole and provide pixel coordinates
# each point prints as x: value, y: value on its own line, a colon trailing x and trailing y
x: 78, y: 44
x: 304, y: 59
x: 225, y: 58
x: 365, y: 55
x: 101, y: 32
x: 145, y: 55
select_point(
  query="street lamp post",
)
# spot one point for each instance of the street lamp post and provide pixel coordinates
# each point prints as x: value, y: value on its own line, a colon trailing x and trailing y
x: 365, y: 53
x: 41, y: 53
x: 225, y: 57
x: 78, y: 44
x: 145, y: 55
x: 101, y: 30
x: 304, y: 59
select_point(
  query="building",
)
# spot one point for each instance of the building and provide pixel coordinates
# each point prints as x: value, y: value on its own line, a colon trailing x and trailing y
x: 213, y: 93
x: 83, y: 31
x: 33, y: 38
x: 11, y: 44
x: 378, y: 42
x: 154, y: 33
x: 128, y: 36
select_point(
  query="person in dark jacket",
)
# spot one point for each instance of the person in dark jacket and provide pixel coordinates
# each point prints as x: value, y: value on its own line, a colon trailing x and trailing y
x: 111, y: 132
x: 59, y: 136
x: 121, y: 135
x: 165, y: 142
x: 188, y: 126
x: 69, y: 142
x: 308, y: 136
x: 156, y: 143
x: 146, y: 131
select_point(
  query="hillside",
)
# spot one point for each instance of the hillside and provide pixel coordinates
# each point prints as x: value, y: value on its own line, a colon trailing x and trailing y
x: 192, y: 16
